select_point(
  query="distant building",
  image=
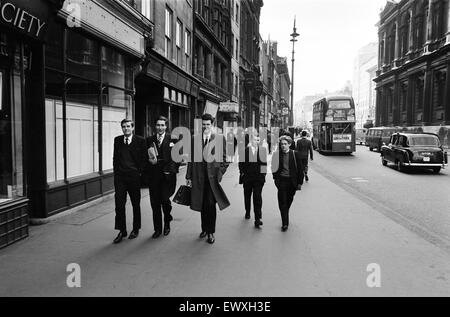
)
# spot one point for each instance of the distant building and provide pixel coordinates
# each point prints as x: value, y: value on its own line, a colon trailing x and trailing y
x: 250, y: 68
x: 412, y: 79
x: 363, y: 86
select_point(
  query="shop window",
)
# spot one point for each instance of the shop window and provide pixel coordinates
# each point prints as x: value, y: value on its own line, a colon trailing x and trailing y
x: 116, y: 107
x: 81, y: 131
x: 11, y: 154
x: 116, y: 69
x: 82, y: 128
x: 54, y: 87
x: 82, y: 56
x: 54, y: 140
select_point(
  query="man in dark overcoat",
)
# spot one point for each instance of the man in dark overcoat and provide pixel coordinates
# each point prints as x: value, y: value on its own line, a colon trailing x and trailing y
x: 204, y: 174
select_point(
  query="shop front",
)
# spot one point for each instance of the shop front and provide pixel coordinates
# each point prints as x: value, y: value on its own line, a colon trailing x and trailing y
x: 228, y: 114
x: 162, y: 89
x: 87, y: 90
x: 23, y: 26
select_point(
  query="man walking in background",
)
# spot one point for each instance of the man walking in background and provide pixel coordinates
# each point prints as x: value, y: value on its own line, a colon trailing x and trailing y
x: 304, y: 148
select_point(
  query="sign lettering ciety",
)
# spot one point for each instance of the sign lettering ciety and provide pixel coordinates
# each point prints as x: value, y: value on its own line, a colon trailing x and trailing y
x: 17, y: 17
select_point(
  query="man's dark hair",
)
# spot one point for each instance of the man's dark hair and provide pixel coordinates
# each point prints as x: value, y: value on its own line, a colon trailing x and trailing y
x: 162, y: 118
x: 304, y: 133
x: 127, y: 121
x: 208, y: 116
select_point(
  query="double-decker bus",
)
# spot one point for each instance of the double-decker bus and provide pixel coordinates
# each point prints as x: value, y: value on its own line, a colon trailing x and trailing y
x: 334, y: 125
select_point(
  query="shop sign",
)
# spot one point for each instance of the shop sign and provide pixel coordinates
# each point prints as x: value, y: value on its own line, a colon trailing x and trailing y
x: 28, y: 17
x: 229, y: 107
x: 96, y: 18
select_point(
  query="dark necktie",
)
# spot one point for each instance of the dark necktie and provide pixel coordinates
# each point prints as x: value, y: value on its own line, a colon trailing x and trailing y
x: 159, y: 140
x: 127, y: 141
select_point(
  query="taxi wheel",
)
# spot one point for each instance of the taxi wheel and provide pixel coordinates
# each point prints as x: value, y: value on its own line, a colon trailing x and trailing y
x: 371, y: 149
x: 400, y: 166
x: 384, y: 162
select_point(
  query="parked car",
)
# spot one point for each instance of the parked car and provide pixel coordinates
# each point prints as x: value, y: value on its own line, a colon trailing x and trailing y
x: 377, y: 136
x: 361, y: 136
x: 416, y: 151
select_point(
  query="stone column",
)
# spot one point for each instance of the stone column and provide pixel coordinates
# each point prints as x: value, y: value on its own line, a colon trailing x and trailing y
x: 219, y: 75
x: 396, y: 46
x: 208, y: 74
x: 201, y: 61
x: 429, y: 28
x: 385, y: 53
x: 447, y: 42
x: 410, y: 33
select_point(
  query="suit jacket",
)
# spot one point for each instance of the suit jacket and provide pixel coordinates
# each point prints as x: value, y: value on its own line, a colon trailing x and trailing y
x: 295, y: 167
x: 214, y: 171
x: 304, y: 147
x: 254, y: 169
x: 137, y: 149
x: 165, y: 161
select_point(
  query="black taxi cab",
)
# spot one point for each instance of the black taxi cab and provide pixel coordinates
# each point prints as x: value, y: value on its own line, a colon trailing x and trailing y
x: 414, y: 150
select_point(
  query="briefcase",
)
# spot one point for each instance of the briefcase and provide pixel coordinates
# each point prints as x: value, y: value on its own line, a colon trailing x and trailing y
x: 183, y: 196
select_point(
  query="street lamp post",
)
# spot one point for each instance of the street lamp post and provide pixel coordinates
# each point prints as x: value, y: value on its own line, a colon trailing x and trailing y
x: 294, y: 36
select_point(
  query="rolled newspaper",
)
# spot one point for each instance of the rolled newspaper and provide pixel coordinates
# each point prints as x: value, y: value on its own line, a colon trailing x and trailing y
x: 153, y: 154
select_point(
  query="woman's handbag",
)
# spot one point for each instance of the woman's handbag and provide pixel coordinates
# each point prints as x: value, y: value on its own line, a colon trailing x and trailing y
x: 183, y: 196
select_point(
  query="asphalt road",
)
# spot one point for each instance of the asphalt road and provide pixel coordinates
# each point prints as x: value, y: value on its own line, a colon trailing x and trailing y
x: 417, y: 199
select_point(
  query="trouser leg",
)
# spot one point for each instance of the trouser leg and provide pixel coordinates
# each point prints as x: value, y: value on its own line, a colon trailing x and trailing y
x: 155, y: 201
x: 166, y: 193
x: 134, y: 190
x: 257, y: 199
x: 209, y: 212
x: 120, y: 198
x: 248, y: 188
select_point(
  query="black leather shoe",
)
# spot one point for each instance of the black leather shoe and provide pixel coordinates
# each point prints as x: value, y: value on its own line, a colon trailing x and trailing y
x: 211, y: 239
x: 156, y: 235
x: 120, y: 237
x: 307, y: 178
x: 134, y: 234
x: 258, y: 224
x: 203, y: 234
x: 166, y: 230
x: 247, y: 216
x: 284, y: 228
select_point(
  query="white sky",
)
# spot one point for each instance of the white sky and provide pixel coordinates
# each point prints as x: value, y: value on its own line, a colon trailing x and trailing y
x: 331, y: 33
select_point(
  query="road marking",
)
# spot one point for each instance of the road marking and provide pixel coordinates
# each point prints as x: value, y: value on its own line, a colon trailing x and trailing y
x: 359, y: 180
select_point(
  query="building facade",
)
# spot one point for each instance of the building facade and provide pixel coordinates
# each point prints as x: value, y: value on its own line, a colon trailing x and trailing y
x: 363, y: 85
x: 166, y: 85
x: 283, y: 94
x: 413, y: 86
x: 212, y: 58
x: 250, y: 68
x: 67, y: 80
